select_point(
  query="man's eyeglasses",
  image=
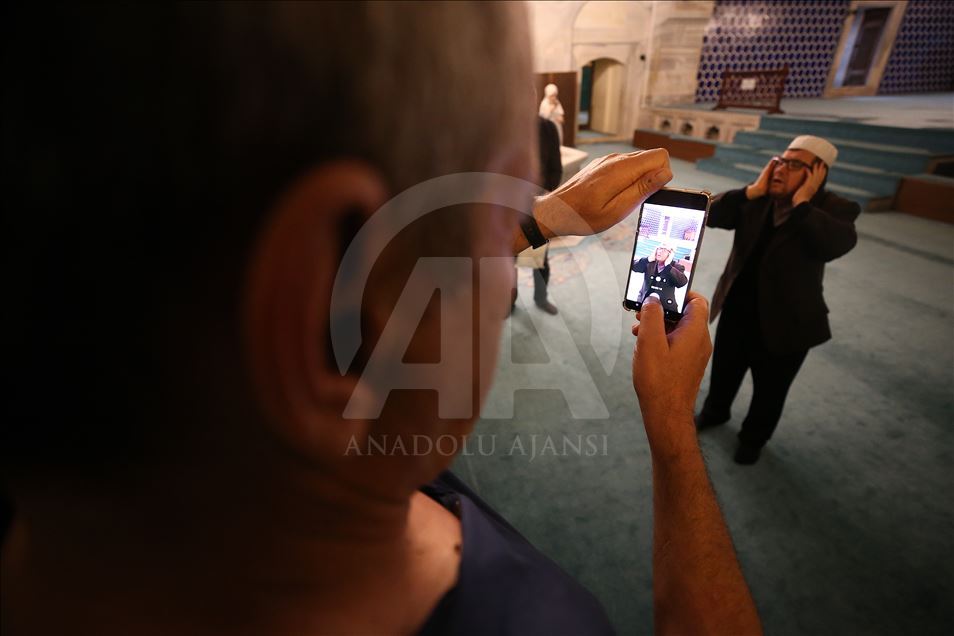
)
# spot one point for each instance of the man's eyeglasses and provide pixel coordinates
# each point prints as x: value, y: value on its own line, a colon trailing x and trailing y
x: 792, y: 164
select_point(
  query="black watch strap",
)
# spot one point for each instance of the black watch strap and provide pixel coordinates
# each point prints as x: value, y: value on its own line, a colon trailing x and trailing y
x: 532, y: 231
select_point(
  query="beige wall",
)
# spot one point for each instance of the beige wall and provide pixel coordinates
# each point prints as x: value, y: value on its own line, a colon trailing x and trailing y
x: 551, y: 28
x: 657, y: 43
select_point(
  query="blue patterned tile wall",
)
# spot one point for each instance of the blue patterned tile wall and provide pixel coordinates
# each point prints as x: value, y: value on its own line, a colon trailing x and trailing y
x: 766, y: 34
x: 922, y: 59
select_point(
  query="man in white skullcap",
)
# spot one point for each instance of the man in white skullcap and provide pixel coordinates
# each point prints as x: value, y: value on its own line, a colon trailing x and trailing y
x: 552, y: 109
x: 787, y: 226
x: 661, y: 276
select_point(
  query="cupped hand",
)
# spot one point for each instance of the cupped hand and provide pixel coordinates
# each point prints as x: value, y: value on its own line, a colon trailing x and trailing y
x: 812, y: 183
x: 668, y: 370
x: 761, y: 185
x: 604, y: 193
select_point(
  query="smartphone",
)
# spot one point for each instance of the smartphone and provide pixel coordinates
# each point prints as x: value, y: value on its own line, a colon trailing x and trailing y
x: 666, y: 251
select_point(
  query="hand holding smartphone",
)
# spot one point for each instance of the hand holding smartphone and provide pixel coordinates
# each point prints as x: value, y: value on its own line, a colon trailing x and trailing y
x: 666, y: 251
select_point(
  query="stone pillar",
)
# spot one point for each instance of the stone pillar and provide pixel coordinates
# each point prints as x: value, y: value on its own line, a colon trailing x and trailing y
x: 676, y: 46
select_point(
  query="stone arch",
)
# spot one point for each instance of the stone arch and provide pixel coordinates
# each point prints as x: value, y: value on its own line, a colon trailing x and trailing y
x: 613, y: 35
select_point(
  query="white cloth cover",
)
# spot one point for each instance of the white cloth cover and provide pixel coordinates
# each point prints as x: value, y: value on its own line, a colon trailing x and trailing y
x: 532, y: 258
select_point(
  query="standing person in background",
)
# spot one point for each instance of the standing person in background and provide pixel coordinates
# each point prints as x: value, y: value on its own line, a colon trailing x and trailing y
x: 552, y: 109
x: 551, y: 169
x: 787, y: 226
x: 551, y: 165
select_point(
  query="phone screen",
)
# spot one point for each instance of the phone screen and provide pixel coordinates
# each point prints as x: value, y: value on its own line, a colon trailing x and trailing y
x: 666, y: 251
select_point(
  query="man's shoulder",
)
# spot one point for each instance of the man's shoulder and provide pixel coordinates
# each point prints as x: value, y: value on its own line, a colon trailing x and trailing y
x: 734, y: 200
x: 832, y: 202
x: 506, y: 585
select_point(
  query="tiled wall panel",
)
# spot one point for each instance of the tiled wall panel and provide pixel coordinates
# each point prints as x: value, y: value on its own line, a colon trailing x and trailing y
x: 922, y: 59
x: 767, y: 34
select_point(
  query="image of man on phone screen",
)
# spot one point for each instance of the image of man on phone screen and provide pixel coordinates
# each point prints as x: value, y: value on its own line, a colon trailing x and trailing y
x: 661, y: 276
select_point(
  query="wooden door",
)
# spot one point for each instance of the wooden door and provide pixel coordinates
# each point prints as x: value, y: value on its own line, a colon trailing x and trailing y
x: 872, y: 26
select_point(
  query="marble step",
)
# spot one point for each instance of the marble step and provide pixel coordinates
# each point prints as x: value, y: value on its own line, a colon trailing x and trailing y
x: 935, y: 140
x: 899, y: 159
x: 872, y: 179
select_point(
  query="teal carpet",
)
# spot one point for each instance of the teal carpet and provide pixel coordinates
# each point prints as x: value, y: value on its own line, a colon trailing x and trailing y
x: 843, y: 527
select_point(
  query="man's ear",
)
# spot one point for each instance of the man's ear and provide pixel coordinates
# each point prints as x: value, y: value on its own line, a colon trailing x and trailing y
x: 287, y: 303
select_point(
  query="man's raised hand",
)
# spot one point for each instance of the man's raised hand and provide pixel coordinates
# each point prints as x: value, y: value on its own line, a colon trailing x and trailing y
x: 812, y: 183
x: 602, y: 194
x: 761, y: 185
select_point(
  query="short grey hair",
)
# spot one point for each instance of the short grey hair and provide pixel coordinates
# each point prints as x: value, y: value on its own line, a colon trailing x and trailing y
x: 143, y: 149
x: 426, y: 88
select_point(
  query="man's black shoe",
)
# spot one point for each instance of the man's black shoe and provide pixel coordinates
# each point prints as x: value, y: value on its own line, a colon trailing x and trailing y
x: 704, y: 421
x: 746, y: 454
x: 548, y: 307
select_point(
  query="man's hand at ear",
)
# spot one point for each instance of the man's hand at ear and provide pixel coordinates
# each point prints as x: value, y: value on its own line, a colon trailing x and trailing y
x: 761, y: 185
x: 601, y: 195
x: 812, y: 183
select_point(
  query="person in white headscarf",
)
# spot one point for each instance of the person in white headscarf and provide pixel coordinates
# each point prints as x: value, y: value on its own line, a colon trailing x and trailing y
x: 552, y: 109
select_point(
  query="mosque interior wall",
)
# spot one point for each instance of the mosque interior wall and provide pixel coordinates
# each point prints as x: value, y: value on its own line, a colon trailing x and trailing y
x: 671, y: 54
x: 922, y: 59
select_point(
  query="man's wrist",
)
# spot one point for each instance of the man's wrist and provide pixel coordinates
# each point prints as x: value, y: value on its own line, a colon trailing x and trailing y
x: 540, y: 207
x: 797, y: 201
x: 671, y: 432
x: 675, y: 448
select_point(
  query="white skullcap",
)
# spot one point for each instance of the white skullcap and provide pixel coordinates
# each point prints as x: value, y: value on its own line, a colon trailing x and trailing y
x: 550, y: 89
x: 821, y: 148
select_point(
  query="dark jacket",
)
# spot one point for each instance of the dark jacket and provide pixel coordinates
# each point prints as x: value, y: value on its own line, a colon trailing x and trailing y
x: 551, y: 164
x: 672, y: 276
x: 792, y: 312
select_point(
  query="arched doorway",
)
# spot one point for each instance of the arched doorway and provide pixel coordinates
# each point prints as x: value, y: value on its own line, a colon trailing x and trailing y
x: 609, y: 41
x: 586, y: 96
x: 602, y: 82
x: 606, y: 79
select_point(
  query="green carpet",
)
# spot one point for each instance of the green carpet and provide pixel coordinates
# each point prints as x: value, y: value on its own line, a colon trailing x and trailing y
x: 844, y: 525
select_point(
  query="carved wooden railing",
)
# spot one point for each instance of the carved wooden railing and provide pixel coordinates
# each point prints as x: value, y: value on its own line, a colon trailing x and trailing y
x: 753, y: 89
